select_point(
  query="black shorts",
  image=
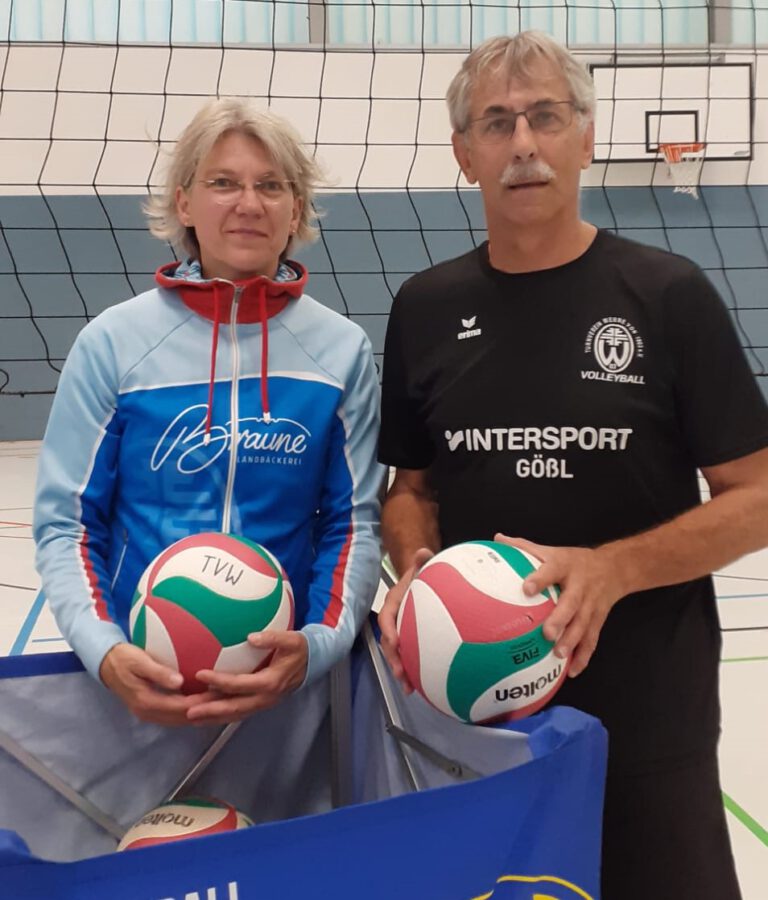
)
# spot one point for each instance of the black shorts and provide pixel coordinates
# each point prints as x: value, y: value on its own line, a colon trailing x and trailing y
x: 665, y: 836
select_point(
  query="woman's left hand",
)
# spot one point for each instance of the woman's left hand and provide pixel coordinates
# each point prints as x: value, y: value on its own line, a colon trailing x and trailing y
x: 243, y: 695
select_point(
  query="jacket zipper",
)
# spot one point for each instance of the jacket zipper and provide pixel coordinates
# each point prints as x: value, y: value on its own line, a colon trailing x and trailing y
x: 233, y: 414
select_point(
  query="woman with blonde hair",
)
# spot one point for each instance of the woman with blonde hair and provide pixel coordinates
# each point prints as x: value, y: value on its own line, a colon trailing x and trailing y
x: 227, y: 399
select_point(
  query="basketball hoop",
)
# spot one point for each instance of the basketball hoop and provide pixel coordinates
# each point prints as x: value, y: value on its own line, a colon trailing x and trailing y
x: 684, y: 162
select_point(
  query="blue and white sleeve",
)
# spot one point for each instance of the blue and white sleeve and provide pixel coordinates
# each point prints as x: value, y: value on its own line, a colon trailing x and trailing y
x: 345, y: 573
x: 75, y: 486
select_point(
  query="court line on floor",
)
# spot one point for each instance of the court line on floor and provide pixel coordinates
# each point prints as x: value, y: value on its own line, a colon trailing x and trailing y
x: 745, y: 659
x: 739, y: 577
x: 746, y: 820
x: 18, y: 587
x: 747, y: 628
x: 743, y: 597
x: 28, y: 624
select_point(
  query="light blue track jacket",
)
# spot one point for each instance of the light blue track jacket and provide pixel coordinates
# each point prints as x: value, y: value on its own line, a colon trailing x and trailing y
x: 203, y: 406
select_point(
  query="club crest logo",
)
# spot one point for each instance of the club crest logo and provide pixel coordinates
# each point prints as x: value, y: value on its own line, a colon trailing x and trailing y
x: 614, y: 347
x: 615, y: 344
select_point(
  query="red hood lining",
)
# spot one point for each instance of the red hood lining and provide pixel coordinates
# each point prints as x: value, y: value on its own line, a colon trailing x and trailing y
x: 200, y: 296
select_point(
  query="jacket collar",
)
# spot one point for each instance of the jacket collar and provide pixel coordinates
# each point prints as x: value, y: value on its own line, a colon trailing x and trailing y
x: 204, y: 295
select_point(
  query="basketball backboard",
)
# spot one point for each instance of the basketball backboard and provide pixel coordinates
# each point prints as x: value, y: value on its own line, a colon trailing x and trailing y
x: 642, y: 105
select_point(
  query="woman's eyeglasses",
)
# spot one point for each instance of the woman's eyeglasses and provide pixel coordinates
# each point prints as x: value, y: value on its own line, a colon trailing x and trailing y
x: 229, y: 190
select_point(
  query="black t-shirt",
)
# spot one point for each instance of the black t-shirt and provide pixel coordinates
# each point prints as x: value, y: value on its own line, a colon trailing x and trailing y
x: 572, y: 406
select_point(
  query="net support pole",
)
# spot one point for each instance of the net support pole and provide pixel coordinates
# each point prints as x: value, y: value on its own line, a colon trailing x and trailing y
x: 36, y: 767
x: 318, y: 22
x: 217, y: 745
x: 389, y: 706
x: 720, y: 22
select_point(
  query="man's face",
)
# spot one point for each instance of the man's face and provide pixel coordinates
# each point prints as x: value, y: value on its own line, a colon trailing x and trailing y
x: 531, y: 176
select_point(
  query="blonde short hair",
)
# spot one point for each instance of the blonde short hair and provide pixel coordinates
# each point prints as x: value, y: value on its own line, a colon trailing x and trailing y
x: 517, y: 57
x: 217, y: 118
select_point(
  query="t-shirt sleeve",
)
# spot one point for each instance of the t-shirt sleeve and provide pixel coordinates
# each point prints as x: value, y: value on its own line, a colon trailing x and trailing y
x: 404, y: 441
x: 722, y: 409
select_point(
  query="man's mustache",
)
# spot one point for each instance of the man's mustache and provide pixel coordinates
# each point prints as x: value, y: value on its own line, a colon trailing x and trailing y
x: 526, y: 173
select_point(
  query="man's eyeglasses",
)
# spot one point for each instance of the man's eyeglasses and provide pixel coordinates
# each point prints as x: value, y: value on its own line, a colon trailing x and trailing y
x: 545, y: 117
x: 228, y: 190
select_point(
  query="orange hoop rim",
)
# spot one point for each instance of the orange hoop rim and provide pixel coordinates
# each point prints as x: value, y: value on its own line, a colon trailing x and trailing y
x: 674, y: 153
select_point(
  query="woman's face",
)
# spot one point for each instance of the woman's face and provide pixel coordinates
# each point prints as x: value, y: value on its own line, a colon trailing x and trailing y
x: 241, y: 229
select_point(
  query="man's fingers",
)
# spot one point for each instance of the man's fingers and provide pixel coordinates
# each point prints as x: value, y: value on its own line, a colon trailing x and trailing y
x: 390, y: 644
x: 388, y: 614
x: 420, y: 557
x: 392, y: 656
x: 395, y: 662
x: 537, y: 550
x: 547, y: 575
x: 388, y: 622
x: 398, y: 670
x: 581, y: 633
x: 583, y: 654
x: 405, y: 684
x: 574, y: 632
x: 390, y: 640
x: 557, y: 621
x: 588, y: 594
x: 390, y: 647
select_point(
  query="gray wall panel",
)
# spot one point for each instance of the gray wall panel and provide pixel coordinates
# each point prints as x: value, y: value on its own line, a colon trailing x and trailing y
x: 371, y: 243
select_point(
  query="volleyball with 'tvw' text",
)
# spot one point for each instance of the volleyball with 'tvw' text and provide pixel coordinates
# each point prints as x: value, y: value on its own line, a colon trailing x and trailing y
x: 178, y: 820
x: 199, y: 599
x: 472, y: 642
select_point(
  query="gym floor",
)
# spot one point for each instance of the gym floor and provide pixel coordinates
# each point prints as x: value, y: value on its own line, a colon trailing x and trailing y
x: 27, y: 626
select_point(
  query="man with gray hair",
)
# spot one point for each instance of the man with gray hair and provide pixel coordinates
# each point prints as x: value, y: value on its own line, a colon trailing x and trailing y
x: 558, y: 383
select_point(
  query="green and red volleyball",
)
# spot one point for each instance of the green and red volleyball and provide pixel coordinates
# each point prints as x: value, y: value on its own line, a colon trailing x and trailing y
x: 472, y: 642
x: 178, y: 820
x: 199, y: 599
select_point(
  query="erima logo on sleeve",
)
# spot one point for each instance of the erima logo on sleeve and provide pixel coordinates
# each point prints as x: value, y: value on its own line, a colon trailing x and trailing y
x: 470, y: 330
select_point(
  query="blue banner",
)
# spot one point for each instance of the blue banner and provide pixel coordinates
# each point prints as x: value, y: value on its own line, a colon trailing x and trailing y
x: 528, y: 832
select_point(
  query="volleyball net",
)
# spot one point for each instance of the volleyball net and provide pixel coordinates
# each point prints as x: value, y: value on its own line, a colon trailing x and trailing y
x: 93, y: 93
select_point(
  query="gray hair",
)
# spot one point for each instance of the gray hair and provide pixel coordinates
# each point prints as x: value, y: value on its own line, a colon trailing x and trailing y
x: 517, y: 56
x: 217, y: 118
